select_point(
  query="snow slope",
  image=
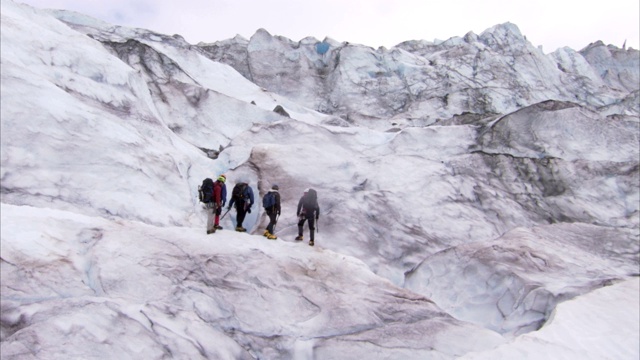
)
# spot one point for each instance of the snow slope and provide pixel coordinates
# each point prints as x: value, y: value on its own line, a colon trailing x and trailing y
x: 457, y: 238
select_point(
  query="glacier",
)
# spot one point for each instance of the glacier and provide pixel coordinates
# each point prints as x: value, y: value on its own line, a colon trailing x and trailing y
x: 479, y: 198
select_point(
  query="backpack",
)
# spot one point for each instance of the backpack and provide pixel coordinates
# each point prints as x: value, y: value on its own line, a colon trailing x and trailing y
x: 310, y: 201
x: 205, y: 191
x: 269, y: 200
x: 238, y: 192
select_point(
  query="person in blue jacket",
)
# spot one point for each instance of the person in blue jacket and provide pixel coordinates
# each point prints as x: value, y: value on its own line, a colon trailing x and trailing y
x: 223, y: 179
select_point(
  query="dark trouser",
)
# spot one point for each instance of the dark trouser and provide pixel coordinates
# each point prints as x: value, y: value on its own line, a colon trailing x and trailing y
x: 242, y: 213
x: 312, y: 223
x: 272, y: 220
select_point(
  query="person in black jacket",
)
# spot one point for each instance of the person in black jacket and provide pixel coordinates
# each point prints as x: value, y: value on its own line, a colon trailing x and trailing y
x: 308, y: 209
x: 242, y: 198
x: 271, y: 203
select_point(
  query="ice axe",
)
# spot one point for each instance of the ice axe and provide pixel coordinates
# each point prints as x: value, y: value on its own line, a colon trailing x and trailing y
x: 225, y: 213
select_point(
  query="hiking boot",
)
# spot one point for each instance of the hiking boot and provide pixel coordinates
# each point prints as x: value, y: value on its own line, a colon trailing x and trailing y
x: 211, y: 231
x: 299, y: 238
x: 310, y: 242
x: 272, y: 237
x: 217, y: 227
x: 240, y: 229
x: 266, y: 233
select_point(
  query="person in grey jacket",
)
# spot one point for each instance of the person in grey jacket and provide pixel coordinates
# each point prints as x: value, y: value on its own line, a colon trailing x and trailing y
x: 308, y: 209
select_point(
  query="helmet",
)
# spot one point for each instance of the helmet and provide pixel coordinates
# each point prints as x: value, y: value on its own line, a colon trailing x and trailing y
x: 222, y: 178
x: 275, y: 187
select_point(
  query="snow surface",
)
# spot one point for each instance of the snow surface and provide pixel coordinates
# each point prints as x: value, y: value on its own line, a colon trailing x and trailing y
x: 587, y: 327
x: 488, y: 238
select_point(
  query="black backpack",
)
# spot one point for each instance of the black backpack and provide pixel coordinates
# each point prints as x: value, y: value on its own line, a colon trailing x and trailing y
x: 310, y: 201
x: 238, y: 192
x: 205, y: 191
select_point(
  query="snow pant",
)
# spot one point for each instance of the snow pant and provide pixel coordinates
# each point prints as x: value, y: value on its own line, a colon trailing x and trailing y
x: 241, y: 213
x: 272, y: 221
x: 312, y: 227
x: 213, y: 216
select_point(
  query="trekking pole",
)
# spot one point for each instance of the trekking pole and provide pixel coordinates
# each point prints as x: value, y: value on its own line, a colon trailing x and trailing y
x: 229, y: 209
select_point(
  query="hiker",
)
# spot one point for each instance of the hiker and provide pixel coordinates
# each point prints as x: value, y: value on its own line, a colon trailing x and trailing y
x: 223, y: 196
x: 242, y: 198
x: 308, y: 209
x: 214, y: 207
x: 271, y: 204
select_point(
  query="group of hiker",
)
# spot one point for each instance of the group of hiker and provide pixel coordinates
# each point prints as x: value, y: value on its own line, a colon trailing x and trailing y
x: 214, y: 195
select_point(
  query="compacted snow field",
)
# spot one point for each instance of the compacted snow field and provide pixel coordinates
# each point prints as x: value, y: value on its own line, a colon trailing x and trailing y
x: 479, y: 199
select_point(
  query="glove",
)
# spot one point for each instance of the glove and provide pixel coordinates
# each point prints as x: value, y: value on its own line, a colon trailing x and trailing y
x: 249, y: 210
x: 229, y: 208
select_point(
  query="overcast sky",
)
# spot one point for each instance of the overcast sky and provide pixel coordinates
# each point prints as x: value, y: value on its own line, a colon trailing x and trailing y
x: 550, y: 23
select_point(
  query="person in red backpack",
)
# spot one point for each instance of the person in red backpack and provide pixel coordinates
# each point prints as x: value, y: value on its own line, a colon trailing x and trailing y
x: 214, y: 207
